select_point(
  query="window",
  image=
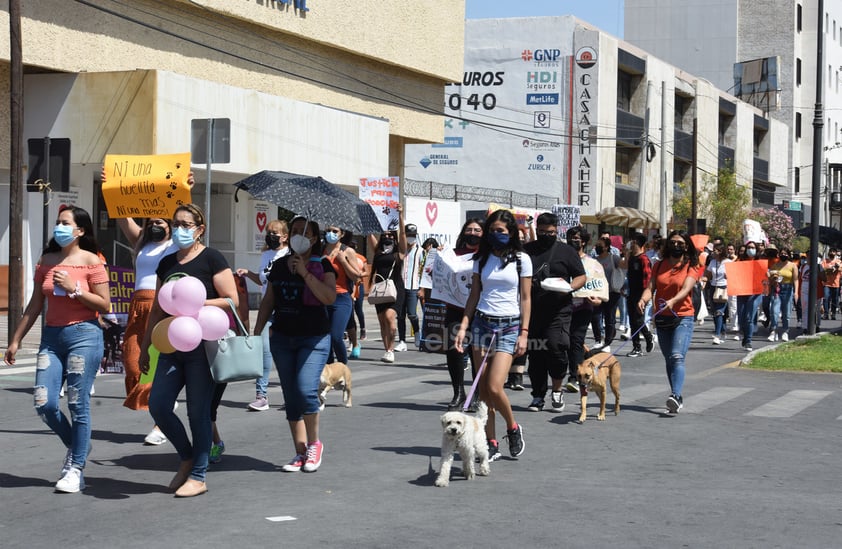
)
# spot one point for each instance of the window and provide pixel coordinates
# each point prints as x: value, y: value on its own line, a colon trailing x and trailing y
x: 797, y: 71
x: 624, y: 91
x: 798, y: 16
x: 682, y: 105
x: 797, y: 126
x: 797, y: 184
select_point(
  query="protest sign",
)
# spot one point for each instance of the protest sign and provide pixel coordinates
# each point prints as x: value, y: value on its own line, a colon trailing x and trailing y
x: 568, y: 216
x: 752, y: 231
x: 384, y: 196
x: 597, y: 284
x: 452, y: 277
x: 120, y: 288
x: 427, y: 269
x: 145, y: 185
x: 747, y: 277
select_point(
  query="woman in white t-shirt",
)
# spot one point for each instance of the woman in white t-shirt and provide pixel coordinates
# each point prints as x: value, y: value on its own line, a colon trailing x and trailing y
x: 277, y: 236
x: 151, y: 242
x: 499, y: 306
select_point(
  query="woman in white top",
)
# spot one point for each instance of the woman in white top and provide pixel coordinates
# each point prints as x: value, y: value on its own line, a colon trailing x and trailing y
x: 277, y: 237
x: 151, y: 242
x: 500, y: 306
x: 715, y: 276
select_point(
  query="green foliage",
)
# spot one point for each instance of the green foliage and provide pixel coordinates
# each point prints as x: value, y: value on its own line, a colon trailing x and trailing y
x: 777, y: 225
x: 808, y: 355
x: 801, y: 245
x: 721, y: 201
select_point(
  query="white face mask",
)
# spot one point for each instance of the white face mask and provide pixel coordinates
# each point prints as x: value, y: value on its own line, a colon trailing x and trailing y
x: 299, y: 243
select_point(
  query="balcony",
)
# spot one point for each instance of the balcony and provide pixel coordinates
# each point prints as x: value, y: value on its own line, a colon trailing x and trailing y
x: 726, y: 157
x: 761, y: 169
x: 629, y: 129
x: 683, y: 145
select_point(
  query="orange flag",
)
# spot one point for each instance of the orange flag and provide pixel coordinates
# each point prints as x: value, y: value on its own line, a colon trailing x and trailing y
x: 746, y: 277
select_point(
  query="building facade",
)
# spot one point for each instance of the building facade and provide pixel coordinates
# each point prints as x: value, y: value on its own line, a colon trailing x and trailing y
x: 718, y: 39
x: 551, y: 110
x: 331, y: 88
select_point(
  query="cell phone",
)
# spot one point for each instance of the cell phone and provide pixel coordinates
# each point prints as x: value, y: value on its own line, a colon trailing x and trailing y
x: 58, y: 290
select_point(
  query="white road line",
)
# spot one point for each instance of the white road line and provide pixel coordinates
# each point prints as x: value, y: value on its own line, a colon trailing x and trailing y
x: 713, y: 397
x: 281, y: 518
x: 17, y: 370
x: 638, y: 392
x: 789, y: 404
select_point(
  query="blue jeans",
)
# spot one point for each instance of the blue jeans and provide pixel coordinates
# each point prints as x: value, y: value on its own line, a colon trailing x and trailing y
x: 774, y: 311
x: 674, y: 344
x: 719, y: 317
x: 506, y: 330
x: 300, y: 361
x: 340, y: 312
x: 262, y: 384
x: 831, y: 301
x: 75, y: 351
x: 358, y: 307
x: 747, y: 309
x: 410, y: 311
x: 785, y: 297
x: 188, y: 370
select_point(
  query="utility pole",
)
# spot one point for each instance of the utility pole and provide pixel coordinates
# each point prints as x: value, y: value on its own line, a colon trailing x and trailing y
x: 694, y: 214
x: 663, y: 209
x: 815, y: 210
x: 644, y: 152
x: 15, y: 172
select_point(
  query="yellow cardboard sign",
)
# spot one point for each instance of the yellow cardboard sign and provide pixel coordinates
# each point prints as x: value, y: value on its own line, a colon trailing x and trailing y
x: 145, y: 185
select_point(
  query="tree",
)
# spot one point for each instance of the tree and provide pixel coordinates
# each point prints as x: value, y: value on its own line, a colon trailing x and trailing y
x: 777, y: 225
x: 722, y: 201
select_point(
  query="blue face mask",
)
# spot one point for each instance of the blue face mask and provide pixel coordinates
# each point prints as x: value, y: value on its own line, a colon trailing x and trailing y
x: 183, y: 238
x: 331, y: 237
x: 63, y: 235
x: 498, y: 241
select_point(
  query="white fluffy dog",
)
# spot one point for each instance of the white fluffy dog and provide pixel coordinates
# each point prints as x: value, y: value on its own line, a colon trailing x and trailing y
x: 464, y: 434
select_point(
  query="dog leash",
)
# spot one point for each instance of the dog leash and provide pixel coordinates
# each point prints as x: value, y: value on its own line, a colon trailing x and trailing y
x: 662, y: 303
x: 470, y: 396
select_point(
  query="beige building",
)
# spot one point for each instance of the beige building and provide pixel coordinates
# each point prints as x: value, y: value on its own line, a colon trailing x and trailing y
x: 333, y: 89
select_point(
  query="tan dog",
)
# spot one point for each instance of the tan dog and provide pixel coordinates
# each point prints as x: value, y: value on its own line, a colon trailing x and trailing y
x: 334, y: 374
x: 594, y: 373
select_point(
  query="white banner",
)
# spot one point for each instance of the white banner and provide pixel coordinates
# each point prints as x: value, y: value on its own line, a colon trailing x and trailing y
x: 439, y: 219
x: 452, y: 277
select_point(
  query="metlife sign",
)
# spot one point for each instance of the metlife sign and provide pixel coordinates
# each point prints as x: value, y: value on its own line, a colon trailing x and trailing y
x: 508, y: 122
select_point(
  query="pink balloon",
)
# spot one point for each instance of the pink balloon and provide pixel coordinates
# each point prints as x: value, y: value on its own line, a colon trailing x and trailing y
x: 214, y: 322
x: 184, y: 333
x: 189, y: 296
x: 165, y: 299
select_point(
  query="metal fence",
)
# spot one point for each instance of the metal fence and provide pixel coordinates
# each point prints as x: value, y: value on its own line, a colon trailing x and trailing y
x: 443, y: 191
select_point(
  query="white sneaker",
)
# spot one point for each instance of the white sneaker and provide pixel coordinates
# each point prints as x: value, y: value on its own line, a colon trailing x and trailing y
x: 155, y: 437
x: 388, y: 357
x: 597, y: 345
x: 71, y: 482
x: 717, y: 341
x: 736, y: 338
x: 735, y: 328
x: 784, y: 336
x: 772, y: 337
x: 605, y: 349
x: 400, y: 347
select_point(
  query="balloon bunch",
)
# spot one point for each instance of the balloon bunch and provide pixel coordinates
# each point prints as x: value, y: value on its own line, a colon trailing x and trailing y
x: 191, y: 320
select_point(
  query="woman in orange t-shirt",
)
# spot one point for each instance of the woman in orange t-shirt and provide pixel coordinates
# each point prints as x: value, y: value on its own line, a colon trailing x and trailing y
x: 672, y: 282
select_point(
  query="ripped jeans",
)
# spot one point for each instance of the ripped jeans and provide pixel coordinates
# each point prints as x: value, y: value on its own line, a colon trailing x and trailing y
x: 75, y: 351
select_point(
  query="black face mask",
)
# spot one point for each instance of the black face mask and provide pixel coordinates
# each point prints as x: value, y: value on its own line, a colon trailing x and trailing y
x: 785, y: 258
x: 599, y: 249
x: 472, y: 240
x: 156, y: 233
x: 577, y: 244
x: 676, y: 251
x: 273, y: 241
x: 386, y: 242
x: 546, y: 240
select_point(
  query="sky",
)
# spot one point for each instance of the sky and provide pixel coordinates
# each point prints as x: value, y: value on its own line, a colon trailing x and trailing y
x: 605, y: 14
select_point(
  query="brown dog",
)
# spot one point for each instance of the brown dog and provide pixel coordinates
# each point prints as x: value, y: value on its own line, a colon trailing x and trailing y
x: 334, y: 374
x: 594, y: 373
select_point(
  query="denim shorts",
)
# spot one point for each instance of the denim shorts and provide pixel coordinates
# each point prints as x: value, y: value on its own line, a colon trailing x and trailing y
x: 506, y: 328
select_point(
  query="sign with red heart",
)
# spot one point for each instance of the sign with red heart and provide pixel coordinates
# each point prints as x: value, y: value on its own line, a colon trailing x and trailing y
x: 261, y: 220
x: 432, y: 211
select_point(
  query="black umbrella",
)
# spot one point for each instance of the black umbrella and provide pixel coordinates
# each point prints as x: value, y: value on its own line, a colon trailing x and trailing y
x: 314, y: 198
x: 827, y: 235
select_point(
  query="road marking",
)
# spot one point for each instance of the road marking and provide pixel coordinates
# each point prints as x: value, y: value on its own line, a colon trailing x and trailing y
x: 18, y: 370
x: 638, y: 392
x: 281, y: 518
x: 713, y: 397
x: 789, y: 404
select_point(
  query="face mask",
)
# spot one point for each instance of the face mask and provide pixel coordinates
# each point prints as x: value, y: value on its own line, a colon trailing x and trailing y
x: 410, y: 240
x: 676, y: 252
x: 63, y: 234
x: 546, y: 240
x: 472, y: 240
x: 498, y: 240
x: 157, y: 233
x: 577, y: 244
x: 599, y: 250
x: 785, y: 258
x: 386, y: 242
x: 751, y: 252
x: 331, y: 237
x: 183, y: 238
x: 273, y: 241
x: 299, y: 244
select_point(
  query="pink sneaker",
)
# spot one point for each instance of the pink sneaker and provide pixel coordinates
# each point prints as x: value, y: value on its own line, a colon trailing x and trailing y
x: 294, y: 465
x: 314, y: 457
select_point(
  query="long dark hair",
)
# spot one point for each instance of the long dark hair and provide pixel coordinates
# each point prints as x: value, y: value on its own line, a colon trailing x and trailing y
x: 691, y: 254
x: 83, y: 220
x: 460, y: 240
x: 514, y: 246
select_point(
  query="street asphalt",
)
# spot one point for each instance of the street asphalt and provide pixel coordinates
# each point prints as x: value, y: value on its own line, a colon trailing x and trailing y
x: 751, y: 461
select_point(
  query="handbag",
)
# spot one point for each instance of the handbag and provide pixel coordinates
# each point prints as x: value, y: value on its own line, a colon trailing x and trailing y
x: 720, y: 294
x: 667, y: 322
x: 235, y: 357
x: 383, y: 291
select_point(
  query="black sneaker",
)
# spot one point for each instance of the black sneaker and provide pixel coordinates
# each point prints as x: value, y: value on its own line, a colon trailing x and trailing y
x: 675, y: 403
x: 650, y: 344
x: 635, y: 352
x: 556, y: 401
x: 536, y: 405
x: 516, y: 443
x: 493, y: 451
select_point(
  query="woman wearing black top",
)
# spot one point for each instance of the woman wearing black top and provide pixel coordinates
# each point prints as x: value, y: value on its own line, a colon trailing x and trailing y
x: 389, y: 252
